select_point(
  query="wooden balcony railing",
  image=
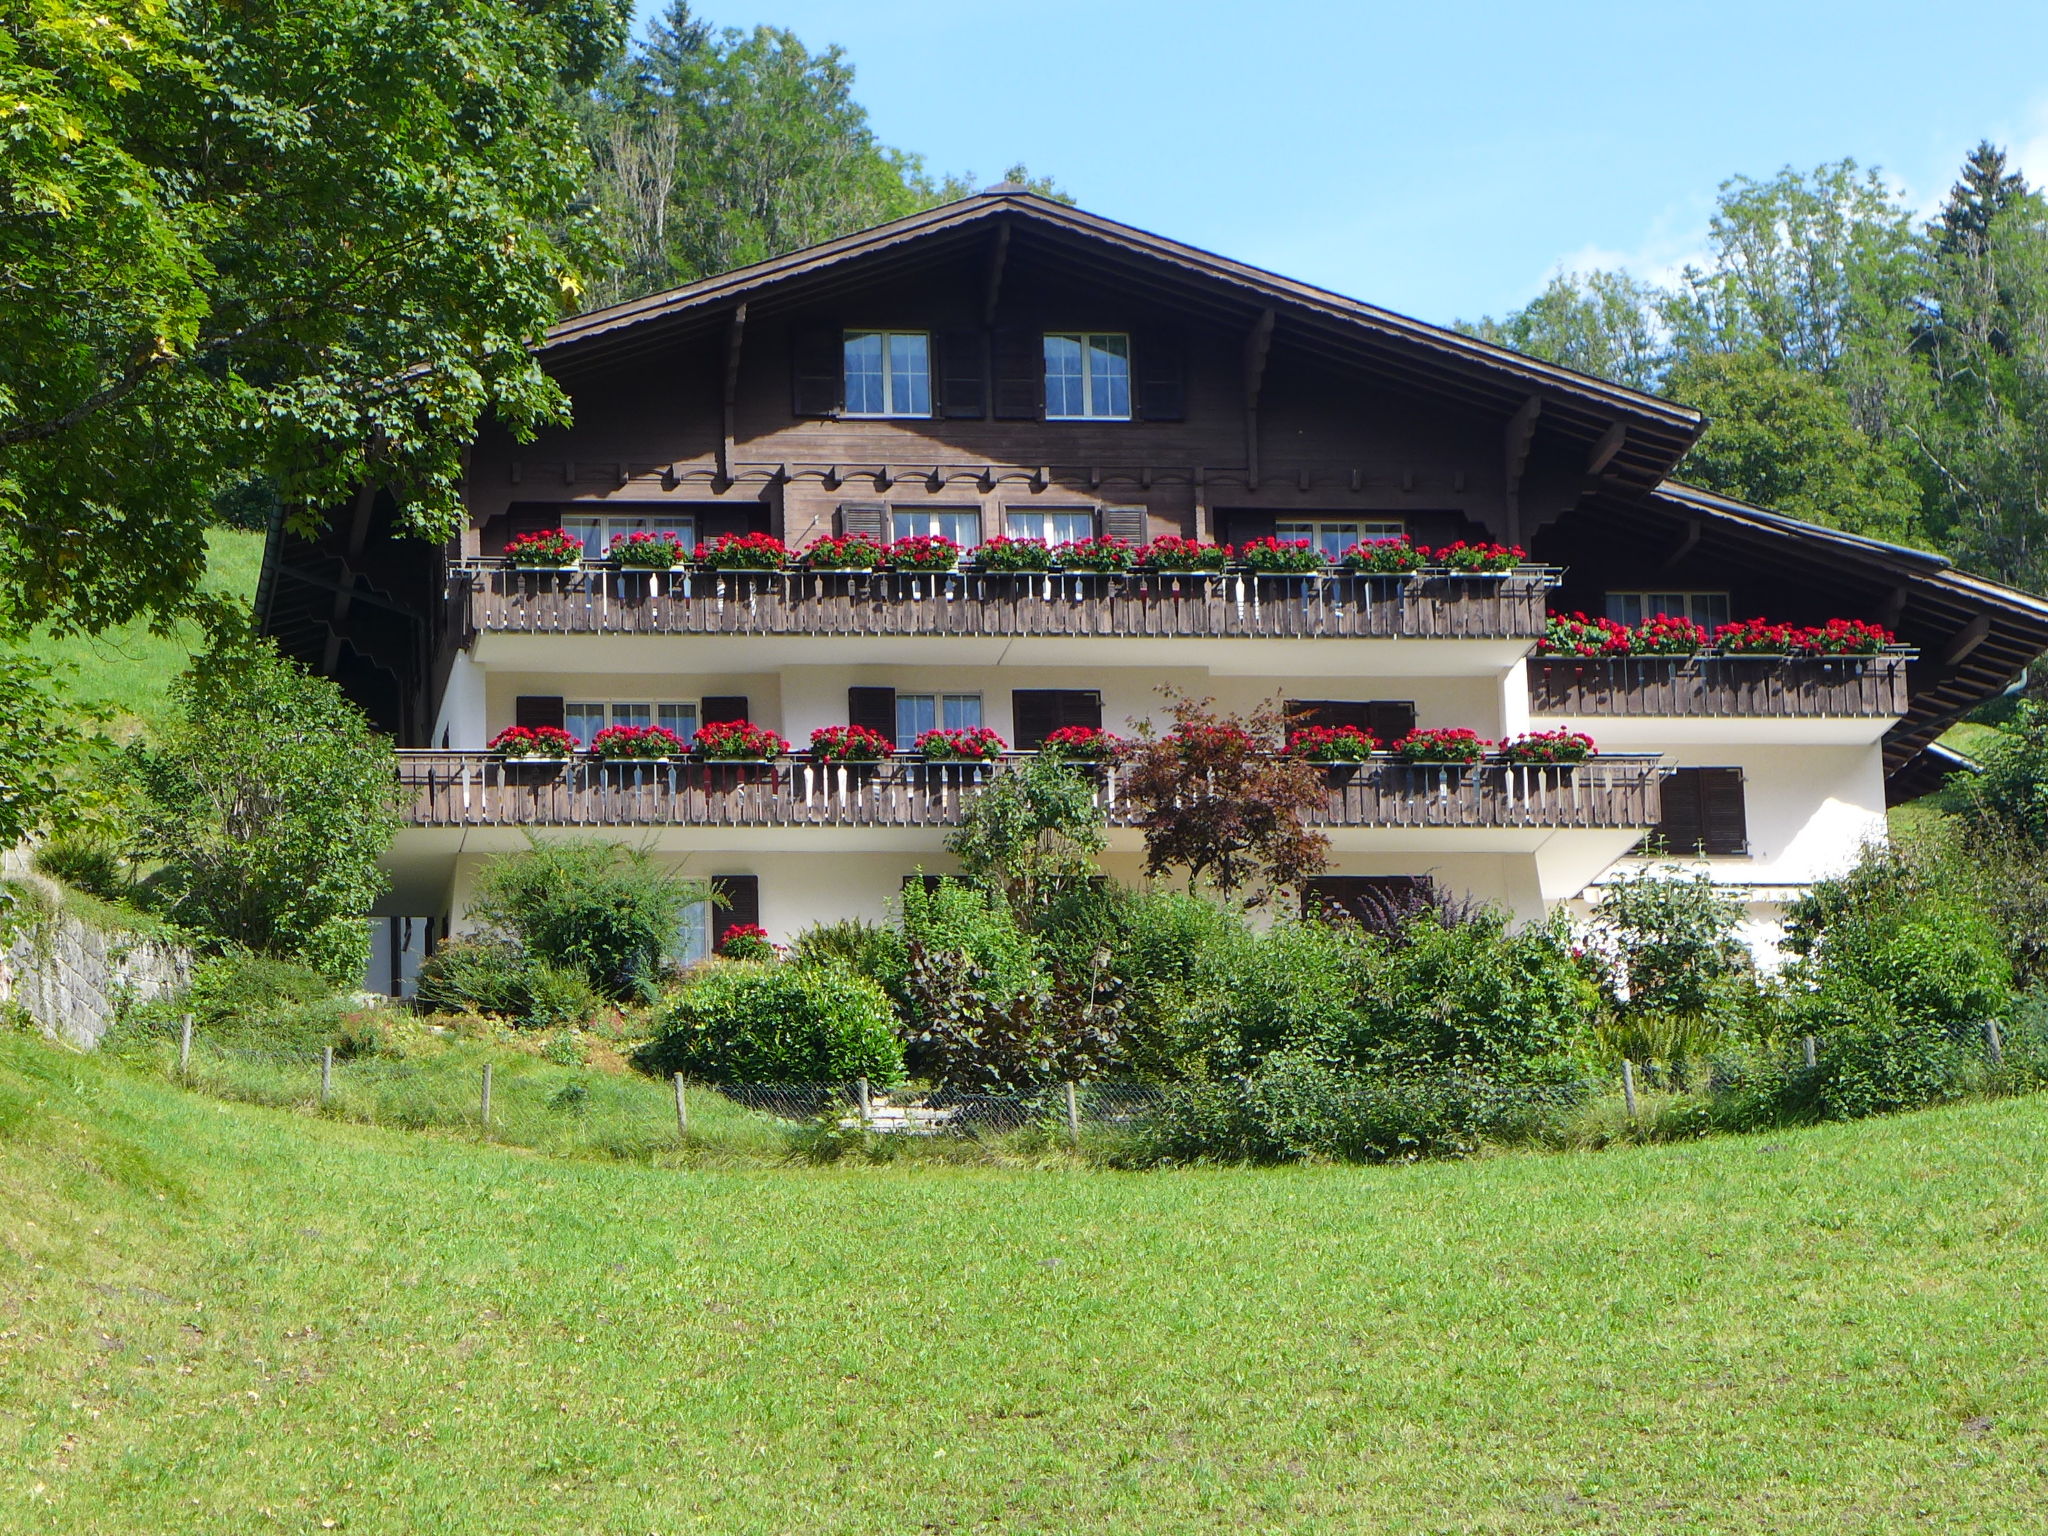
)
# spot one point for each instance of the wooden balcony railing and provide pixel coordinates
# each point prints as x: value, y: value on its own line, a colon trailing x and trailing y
x: 492, y: 598
x: 477, y: 789
x: 1712, y: 687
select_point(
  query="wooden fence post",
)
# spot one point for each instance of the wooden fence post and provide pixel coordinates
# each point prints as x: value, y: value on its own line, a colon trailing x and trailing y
x: 1628, y: 1086
x: 1812, y: 1052
x: 1995, y: 1041
x: 682, y: 1109
x: 184, y: 1045
x: 326, y: 1074
x: 1073, y: 1114
x: 487, y: 1096
x: 867, y: 1109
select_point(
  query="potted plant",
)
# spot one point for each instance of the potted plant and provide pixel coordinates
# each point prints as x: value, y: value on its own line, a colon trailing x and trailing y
x: 1843, y: 637
x: 1450, y: 750
x: 1560, y: 751
x: 1386, y: 557
x: 1463, y: 559
x: 737, y: 741
x: 744, y: 552
x: 854, y: 747
x: 842, y: 552
x: 1004, y: 555
x: 1083, y: 744
x: 1170, y: 553
x: 923, y: 552
x: 747, y: 941
x: 1281, y: 557
x: 1101, y: 554
x: 556, y: 549
x: 637, y: 744
x: 1573, y: 634
x: 1663, y: 634
x: 1754, y: 637
x: 642, y: 550
x: 532, y: 751
x: 1339, y: 748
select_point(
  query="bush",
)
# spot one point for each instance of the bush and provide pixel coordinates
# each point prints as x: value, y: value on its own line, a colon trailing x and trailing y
x: 873, y: 950
x: 966, y: 1036
x: 604, y: 911
x: 750, y: 1023
x: 955, y: 918
x: 1671, y: 937
x: 254, y: 1002
x: 87, y: 862
x: 2012, y: 788
x: 490, y: 977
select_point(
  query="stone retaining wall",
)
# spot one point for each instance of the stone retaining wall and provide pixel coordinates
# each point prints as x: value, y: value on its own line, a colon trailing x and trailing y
x: 76, y: 980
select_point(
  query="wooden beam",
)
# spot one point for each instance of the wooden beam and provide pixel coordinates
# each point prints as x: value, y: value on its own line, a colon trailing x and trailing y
x: 1521, y: 432
x: 1893, y: 607
x: 1686, y: 545
x: 1258, y: 342
x: 1966, y: 640
x: 1605, y: 450
x: 344, y: 595
x: 992, y: 285
x: 735, y: 333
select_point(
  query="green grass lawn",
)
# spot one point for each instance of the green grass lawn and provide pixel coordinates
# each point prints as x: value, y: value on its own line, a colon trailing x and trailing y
x: 126, y: 671
x: 220, y: 1317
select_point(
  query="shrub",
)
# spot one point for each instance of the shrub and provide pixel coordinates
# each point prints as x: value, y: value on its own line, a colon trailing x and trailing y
x: 254, y: 1002
x: 967, y: 1034
x: 1161, y: 951
x: 607, y: 912
x: 1877, y: 1057
x: 955, y: 918
x: 1295, y: 984
x: 747, y: 941
x: 2012, y: 789
x: 87, y: 861
x: 497, y: 978
x: 750, y: 1023
x: 873, y: 950
x: 1670, y: 936
x: 1035, y: 830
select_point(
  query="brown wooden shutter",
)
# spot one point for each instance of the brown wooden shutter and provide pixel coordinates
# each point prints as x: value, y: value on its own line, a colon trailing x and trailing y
x: 963, y: 374
x: 741, y: 904
x: 1330, y: 712
x: 1389, y: 719
x: 818, y: 373
x: 868, y: 517
x: 1019, y: 358
x: 1683, y: 827
x: 1132, y: 523
x: 1160, y: 368
x: 1724, y: 818
x: 874, y: 708
x: 722, y: 709
x: 1037, y: 712
x: 538, y: 710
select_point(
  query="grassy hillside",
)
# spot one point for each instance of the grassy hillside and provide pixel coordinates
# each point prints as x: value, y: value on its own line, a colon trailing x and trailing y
x: 216, y: 1317
x: 127, y: 670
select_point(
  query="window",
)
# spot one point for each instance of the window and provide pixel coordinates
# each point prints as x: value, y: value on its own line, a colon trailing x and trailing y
x: 693, y: 935
x: 917, y: 713
x: 961, y: 525
x: 1087, y: 376
x: 888, y: 373
x: 1704, y: 813
x: 1708, y: 608
x: 1068, y: 527
x: 583, y: 719
x: 597, y: 530
x: 1332, y: 539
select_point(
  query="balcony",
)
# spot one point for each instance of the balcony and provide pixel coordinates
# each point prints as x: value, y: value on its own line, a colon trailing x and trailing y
x: 1845, y: 688
x: 490, y: 598
x: 476, y: 789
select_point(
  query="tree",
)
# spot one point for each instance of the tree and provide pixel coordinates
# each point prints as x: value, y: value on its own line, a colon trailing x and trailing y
x: 1214, y: 798
x: 1035, y: 829
x: 310, y: 244
x: 35, y: 744
x: 1983, y: 192
x: 269, y: 800
x: 1784, y: 440
x: 1603, y: 323
x: 1672, y: 937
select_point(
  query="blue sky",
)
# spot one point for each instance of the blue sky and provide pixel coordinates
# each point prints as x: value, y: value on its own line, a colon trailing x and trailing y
x: 1437, y: 158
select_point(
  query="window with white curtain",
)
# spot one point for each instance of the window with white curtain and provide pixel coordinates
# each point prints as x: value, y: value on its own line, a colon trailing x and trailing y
x: 1069, y: 526
x: 960, y: 524
x: 598, y: 529
x: 1705, y: 608
x: 917, y: 713
x: 584, y: 718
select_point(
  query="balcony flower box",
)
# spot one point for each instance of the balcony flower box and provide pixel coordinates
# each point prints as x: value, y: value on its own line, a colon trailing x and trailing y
x: 644, y: 551
x: 1341, y: 750
x: 534, y: 744
x: 975, y: 744
x: 1002, y: 556
x: 1575, y: 635
x: 854, y: 748
x: 1756, y: 637
x: 843, y: 552
x: 736, y: 741
x: 744, y: 552
x: 1557, y: 753
x: 923, y: 552
x: 556, y: 549
x: 1174, y: 555
x: 1463, y: 559
x: 1662, y: 634
x: 1843, y: 637
x: 1103, y: 555
x: 1385, y: 557
x: 637, y: 744
x: 1449, y: 749
x: 1282, y: 557
x: 1083, y: 744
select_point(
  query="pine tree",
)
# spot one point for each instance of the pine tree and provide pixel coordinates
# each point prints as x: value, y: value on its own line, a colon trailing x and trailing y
x: 1985, y: 191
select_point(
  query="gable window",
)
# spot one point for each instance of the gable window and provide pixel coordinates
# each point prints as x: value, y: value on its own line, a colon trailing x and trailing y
x: 598, y: 529
x: 1069, y: 526
x: 1331, y: 539
x: 1087, y: 376
x: 1708, y: 608
x: 960, y: 524
x: 917, y: 713
x: 888, y: 373
x: 584, y: 718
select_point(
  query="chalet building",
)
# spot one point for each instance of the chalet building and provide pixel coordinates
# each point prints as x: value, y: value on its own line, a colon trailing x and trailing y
x: 1008, y: 367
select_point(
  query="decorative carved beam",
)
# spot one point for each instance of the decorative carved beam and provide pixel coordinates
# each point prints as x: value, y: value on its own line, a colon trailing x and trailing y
x: 992, y: 287
x: 1605, y: 450
x: 1967, y: 639
x: 1521, y: 432
x: 1257, y: 343
x: 735, y: 333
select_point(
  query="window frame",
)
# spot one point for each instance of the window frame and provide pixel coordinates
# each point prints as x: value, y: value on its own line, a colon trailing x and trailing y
x: 654, y: 707
x: 897, y: 516
x: 1690, y: 595
x: 1090, y: 515
x: 907, y: 740
x: 611, y: 524
x: 890, y: 411
x: 1087, y: 341
x: 1362, y: 524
